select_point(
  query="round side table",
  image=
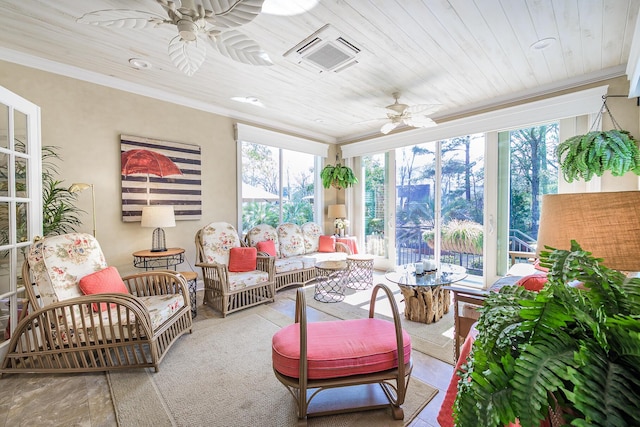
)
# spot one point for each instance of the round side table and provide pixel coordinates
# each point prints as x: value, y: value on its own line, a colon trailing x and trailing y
x: 192, y: 281
x: 360, y: 271
x: 331, y: 277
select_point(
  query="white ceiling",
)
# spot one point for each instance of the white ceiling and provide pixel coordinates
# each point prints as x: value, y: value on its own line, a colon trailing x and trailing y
x: 466, y: 55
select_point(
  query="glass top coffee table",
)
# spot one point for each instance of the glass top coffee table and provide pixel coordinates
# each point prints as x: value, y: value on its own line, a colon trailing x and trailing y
x: 425, y: 299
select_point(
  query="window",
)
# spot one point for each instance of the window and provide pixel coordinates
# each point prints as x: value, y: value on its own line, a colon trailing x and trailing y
x: 277, y: 176
x: 278, y: 185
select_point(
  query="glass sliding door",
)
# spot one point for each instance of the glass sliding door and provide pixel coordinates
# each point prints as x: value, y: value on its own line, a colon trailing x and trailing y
x: 533, y: 173
x: 439, y: 202
x: 461, y: 189
x: 378, y: 214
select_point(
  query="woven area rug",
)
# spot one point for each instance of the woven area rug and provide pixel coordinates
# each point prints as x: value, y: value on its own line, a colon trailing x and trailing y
x: 221, y: 375
x: 435, y: 339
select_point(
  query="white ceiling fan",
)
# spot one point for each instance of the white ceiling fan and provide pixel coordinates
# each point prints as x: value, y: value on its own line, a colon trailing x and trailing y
x: 197, y: 21
x: 411, y: 115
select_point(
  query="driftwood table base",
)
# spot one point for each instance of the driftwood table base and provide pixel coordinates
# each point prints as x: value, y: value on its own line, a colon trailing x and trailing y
x: 425, y: 304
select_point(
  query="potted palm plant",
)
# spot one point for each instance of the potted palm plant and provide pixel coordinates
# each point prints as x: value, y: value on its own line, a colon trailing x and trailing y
x: 575, y: 350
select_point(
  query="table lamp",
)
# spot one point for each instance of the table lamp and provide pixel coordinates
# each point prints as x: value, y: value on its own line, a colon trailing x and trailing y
x: 607, y: 224
x: 80, y: 186
x: 337, y: 211
x: 158, y: 216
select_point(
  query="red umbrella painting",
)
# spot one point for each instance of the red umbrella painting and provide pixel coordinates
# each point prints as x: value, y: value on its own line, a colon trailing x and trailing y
x: 147, y: 162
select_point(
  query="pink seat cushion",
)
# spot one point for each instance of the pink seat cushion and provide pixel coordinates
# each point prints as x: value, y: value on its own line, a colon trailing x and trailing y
x: 339, y: 348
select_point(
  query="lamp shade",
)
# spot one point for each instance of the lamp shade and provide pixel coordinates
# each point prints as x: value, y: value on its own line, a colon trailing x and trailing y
x: 337, y: 211
x: 606, y: 224
x: 158, y: 216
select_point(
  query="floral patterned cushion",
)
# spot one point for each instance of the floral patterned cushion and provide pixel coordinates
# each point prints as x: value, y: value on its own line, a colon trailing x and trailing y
x: 291, y: 240
x: 311, y: 233
x: 247, y: 279
x: 288, y: 264
x: 217, y: 240
x: 261, y: 233
x: 59, y: 262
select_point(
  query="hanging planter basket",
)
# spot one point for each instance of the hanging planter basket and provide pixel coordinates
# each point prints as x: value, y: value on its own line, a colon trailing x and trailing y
x: 338, y: 177
x: 583, y: 156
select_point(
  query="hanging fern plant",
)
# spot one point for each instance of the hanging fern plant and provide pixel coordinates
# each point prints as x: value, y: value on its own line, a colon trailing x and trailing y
x: 337, y: 176
x: 584, y: 156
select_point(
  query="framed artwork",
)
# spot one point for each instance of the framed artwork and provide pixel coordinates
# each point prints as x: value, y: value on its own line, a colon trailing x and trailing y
x: 158, y: 172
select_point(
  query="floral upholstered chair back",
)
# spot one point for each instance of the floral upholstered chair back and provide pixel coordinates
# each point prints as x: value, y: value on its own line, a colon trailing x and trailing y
x: 262, y: 233
x: 217, y: 240
x: 57, y: 264
x: 291, y: 240
x: 311, y: 233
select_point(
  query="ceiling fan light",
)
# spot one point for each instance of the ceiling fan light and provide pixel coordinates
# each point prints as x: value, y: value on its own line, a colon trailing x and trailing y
x: 187, y: 29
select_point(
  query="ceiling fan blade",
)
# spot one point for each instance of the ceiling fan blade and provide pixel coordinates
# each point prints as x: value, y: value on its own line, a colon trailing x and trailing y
x: 388, y: 127
x: 187, y: 56
x: 121, y: 18
x: 425, y: 109
x: 231, y: 13
x: 240, y: 48
x: 419, y: 121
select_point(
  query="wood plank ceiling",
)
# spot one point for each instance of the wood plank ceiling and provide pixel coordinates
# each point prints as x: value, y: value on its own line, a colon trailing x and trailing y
x: 463, y: 54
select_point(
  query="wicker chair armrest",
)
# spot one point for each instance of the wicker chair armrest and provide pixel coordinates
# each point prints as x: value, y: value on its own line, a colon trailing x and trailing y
x: 341, y: 247
x: 64, y: 316
x: 215, y: 272
x: 266, y: 263
x: 157, y: 282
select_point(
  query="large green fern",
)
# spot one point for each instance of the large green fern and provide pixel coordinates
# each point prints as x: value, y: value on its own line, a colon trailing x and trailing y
x: 567, y: 347
x: 584, y: 156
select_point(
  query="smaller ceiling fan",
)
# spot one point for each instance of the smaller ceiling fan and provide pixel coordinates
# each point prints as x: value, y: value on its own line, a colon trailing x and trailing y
x: 196, y: 21
x: 411, y: 115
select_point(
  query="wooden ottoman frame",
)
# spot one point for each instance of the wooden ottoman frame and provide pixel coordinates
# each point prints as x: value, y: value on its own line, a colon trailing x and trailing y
x: 393, y: 382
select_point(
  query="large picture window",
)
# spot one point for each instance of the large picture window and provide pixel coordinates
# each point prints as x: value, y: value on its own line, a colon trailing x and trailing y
x: 278, y: 185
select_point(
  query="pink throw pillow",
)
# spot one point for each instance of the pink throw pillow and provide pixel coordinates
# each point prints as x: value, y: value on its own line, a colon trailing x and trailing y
x: 533, y: 282
x: 326, y: 244
x: 105, y: 281
x: 267, y: 246
x: 243, y: 259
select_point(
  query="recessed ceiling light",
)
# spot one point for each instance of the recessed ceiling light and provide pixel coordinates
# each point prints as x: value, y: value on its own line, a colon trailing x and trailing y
x: 248, y: 100
x: 288, y: 7
x: 139, y: 64
x: 543, y: 43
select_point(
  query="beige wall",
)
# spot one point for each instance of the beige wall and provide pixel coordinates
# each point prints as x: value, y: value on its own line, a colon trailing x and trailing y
x: 86, y: 120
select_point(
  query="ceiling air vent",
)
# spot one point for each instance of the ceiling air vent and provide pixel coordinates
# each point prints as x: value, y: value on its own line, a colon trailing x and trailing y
x: 325, y: 50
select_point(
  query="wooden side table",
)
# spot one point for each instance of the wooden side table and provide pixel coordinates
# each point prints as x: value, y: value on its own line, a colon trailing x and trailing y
x: 151, y: 260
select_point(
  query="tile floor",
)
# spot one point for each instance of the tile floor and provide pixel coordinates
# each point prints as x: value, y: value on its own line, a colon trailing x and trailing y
x: 84, y: 399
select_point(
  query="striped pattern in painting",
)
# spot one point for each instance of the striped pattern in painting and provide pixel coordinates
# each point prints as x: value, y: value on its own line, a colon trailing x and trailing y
x: 183, y: 192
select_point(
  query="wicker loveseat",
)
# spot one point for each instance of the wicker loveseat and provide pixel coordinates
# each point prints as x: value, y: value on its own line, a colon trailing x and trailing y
x: 67, y: 331
x: 297, y: 251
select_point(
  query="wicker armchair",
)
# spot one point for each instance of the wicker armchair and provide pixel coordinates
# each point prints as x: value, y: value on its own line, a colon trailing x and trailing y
x: 66, y: 331
x: 228, y: 291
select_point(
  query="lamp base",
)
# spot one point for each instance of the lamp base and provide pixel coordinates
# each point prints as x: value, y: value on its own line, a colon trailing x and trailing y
x: 158, y: 242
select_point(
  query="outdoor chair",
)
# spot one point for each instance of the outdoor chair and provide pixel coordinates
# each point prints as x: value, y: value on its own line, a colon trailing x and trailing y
x: 82, y: 317
x: 235, y: 277
x: 311, y: 358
